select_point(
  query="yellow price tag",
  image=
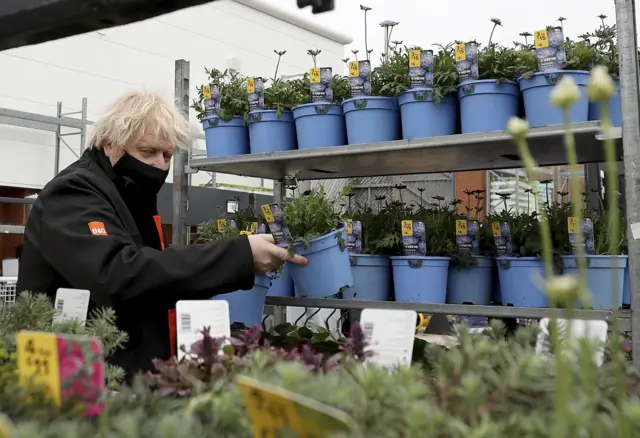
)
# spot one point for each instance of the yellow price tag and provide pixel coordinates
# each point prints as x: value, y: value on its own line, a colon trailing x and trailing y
x: 314, y: 75
x: 273, y: 410
x: 461, y: 52
x: 495, y: 227
x: 251, y: 85
x: 461, y: 227
x: 266, y: 212
x: 349, y: 226
x: 206, y: 91
x: 541, y: 39
x: 221, y: 224
x: 246, y: 233
x: 254, y: 227
x: 354, y: 68
x: 572, y: 225
x: 407, y: 228
x: 414, y: 58
x: 38, y: 362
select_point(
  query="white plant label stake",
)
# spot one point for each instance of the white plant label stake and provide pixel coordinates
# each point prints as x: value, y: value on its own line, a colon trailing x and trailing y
x: 71, y: 304
x: 390, y: 334
x: 595, y: 330
x: 193, y: 316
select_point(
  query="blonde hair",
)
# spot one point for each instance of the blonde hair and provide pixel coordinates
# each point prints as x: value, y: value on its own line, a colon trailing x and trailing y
x: 138, y: 113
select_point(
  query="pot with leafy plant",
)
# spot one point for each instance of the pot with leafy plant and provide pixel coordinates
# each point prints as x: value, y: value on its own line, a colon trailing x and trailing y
x: 245, y: 306
x: 318, y: 115
x: 420, y: 274
x: 270, y: 119
x: 310, y: 224
x: 426, y: 85
x: 606, y: 54
x: 557, y: 58
x: 371, y: 115
x: 222, y: 106
x: 488, y: 92
x: 471, y: 270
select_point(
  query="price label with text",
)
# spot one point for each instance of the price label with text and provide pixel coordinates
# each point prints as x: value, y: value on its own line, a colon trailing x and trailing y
x: 266, y: 212
x: 38, y: 362
x: 461, y: 227
x: 572, y: 225
x: 414, y: 58
x: 354, y: 68
x: 461, y: 52
x: 314, y: 75
x: 274, y: 410
x: 541, y: 39
x: 221, y: 224
x: 349, y: 226
x: 495, y: 228
x: 206, y: 91
x: 407, y: 228
x: 251, y: 85
x: 254, y: 227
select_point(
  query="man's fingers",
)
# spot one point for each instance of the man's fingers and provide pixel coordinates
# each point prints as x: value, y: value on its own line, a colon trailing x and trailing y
x: 283, y: 254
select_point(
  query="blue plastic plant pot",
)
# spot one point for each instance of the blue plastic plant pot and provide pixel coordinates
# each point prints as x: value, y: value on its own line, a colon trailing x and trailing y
x: 602, y: 270
x: 537, y: 89
x: 471, y: 285
x: 371, y: 119
x: 319, y: 125
x: 225, y: 139
x: 371, y: 278
x: 518, y: 286
x: 328, y: 269
x: 486, y: 105
x: 283, y: 285
x: 422, y: 117
x: 269, y: 132
x: 247, y: 306
x: 419, y: 279
x: 626, y: 294
x: 615, y: 107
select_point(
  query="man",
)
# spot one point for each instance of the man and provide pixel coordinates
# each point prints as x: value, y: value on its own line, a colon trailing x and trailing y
x: 95, y: 226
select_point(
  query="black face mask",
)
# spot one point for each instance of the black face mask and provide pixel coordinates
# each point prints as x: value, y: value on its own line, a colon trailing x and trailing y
x: 149, y: 179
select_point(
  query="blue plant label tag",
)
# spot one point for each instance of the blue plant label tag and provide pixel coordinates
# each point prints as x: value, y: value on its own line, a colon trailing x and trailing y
x: 421, y: 68
x: 359, y: 78
x: 550, y: 52
x: 320, y: 80
x: 502, y: 238
x: 262, y: 228
x: 413, y: 238
x: 587, y: 235
x: 211, y: 99
x: 467, y: 61
x: 255, y: 93
x: 476, y: 324
x: 467, y: 232
x: 354, y: 236
x: 274, y: 216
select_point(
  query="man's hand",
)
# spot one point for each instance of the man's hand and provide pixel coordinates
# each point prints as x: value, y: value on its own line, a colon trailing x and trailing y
x: 267, y: 255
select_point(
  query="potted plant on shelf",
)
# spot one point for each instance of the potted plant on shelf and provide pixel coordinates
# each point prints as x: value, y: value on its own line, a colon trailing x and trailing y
x: 471, y: 275
x: 310, y: 225
x: 318, y: 114
x: 271, y: 126
x: 488, y: 92
x: 425, y: 83
x: 245, y: 307
x: 371, y: 115
x: 222, y: 106
x: 557, y: 57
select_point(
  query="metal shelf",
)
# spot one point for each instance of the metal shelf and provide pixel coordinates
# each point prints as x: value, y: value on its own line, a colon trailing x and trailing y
x: 453, y: 153
x: 449, y: 309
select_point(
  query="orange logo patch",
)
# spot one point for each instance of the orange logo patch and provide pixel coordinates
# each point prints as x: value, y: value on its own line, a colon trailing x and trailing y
x: 97, y: 229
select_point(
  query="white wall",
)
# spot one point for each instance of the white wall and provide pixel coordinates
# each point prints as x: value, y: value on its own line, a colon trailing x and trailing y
x: 101, y: 65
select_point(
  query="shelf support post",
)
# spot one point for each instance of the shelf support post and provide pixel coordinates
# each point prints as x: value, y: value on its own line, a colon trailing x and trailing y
x: 181, y: 159
x: 626, y: 29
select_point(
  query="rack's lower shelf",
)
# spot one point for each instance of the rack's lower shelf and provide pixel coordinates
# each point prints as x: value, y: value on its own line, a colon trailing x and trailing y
x: 450, y: 309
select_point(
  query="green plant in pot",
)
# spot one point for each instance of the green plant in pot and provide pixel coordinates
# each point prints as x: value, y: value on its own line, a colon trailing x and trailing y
x: 222, y: 106
x: 311, y: 225
x: 318, y: 111
x: 271, y: 126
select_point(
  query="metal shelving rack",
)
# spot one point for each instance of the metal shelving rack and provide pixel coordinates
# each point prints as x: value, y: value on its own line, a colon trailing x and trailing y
x: 483, y: 151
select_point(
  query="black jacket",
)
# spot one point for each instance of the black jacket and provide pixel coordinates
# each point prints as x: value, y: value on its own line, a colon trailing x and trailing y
x: 91, y: 229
